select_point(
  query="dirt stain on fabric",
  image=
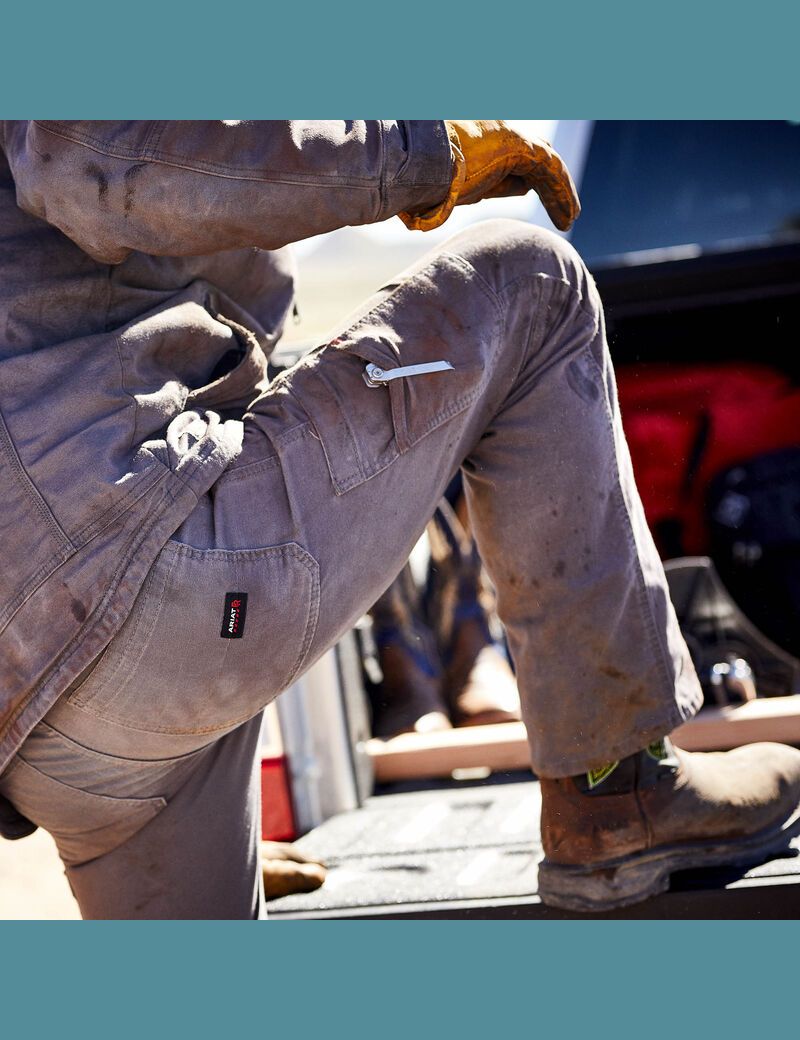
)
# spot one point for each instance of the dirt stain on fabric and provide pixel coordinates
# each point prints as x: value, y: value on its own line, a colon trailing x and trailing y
x: 94, y: 171
x: 130, y: 190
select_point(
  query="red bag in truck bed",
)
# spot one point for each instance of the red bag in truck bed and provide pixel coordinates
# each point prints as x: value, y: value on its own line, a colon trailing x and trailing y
x: 684, y: 424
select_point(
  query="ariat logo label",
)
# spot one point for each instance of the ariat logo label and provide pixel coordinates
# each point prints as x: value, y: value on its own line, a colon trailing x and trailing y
x: 234, y: 617
x: 597, y: 776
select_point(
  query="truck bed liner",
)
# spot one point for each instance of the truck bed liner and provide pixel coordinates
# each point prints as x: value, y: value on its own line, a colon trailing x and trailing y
x: 472, y: 852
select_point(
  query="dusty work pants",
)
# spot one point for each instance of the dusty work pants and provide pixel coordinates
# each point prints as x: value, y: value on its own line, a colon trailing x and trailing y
x: 144, y: 772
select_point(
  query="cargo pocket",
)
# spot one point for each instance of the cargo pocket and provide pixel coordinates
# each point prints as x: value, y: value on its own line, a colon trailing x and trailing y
x: 214, y: 635
x: 84, y: 825
x: 365, y: 423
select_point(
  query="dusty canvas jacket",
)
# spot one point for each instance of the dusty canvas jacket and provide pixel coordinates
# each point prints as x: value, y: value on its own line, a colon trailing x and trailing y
x: 142, y: 286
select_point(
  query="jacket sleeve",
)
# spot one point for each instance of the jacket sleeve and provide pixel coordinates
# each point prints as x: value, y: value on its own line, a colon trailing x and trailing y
x: 180, y: 188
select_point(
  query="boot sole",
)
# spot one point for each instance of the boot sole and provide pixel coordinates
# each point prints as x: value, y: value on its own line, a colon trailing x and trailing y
x: 631, y: 879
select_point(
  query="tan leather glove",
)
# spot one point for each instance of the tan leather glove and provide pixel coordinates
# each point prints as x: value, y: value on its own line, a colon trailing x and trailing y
x: 491, y: 160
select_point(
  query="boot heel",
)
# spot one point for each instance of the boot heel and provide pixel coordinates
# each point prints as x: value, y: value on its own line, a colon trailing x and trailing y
x: 587, y: 890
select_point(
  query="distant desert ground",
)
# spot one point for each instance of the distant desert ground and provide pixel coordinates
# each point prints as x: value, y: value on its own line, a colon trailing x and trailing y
x: 32, y: 882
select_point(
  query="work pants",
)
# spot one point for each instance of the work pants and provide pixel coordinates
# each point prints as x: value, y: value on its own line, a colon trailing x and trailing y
x: 145, y: 771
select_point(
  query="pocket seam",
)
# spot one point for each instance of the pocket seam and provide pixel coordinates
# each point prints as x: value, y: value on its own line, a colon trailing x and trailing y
x: 122, y: 826
x: 403, y: 440
x: 155, y: 801
x: 91, y: 753
x: 75, y: 696
x: 292, y: 549
x: 363, y: 471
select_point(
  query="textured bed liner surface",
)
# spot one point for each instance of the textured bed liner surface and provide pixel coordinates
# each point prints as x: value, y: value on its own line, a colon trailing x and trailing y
x: 473, y: 852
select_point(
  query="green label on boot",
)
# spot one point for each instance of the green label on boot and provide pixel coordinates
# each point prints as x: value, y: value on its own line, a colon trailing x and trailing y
x: 657, y: 750
x: 597, y: 776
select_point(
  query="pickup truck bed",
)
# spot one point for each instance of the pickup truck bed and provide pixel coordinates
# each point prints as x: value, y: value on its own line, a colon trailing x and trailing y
x: 471, y: 851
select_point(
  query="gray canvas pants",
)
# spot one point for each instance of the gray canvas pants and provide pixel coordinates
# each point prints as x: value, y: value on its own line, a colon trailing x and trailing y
x: 144, y: 771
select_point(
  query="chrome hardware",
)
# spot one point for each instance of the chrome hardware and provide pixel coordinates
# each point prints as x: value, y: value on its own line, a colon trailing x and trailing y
x: 376, y: 376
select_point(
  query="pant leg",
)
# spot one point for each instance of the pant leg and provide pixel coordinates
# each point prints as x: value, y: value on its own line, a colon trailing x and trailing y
x: 335, y: 484
x: 145, y: 838
x: 199, y: 859
x: 354, y: 472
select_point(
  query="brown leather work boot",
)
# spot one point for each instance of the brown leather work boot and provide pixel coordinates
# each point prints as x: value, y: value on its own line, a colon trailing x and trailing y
x: 613, y: 837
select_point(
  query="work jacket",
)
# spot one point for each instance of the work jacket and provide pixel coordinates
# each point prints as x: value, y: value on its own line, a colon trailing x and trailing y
x: 142, y: 286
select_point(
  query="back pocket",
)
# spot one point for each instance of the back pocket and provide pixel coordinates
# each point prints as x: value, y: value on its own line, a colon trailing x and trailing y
x: 214, y: 636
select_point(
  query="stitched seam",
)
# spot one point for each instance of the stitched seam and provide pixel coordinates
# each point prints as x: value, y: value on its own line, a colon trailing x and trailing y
x: 32, y: 584
x: 537, y: 312
x: 126, y: 391
x: 489, y: 289
x: 363, y: 472
x: 153, y: 139
x: 263, y: 552
x: 312, y: 617
x: 383, y: 187
x: 60, y: 558
x: 543, y: 276
x: 538, y: 320
x: 248, y: 469
x: 153, y: 616
x: 357, y: 474
x: 74, y: 646
x: 487, y: 168
x: 109, y: 798
x: 290, y: 549
x: 295, y: 434
x: 29, y: 488
x: 218, y: 169
x: 140, y: 486
x: 103, y: 756
x: 659, y: 649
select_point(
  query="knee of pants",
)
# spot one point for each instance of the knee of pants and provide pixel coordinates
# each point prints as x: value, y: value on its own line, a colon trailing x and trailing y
x: 505, y: 251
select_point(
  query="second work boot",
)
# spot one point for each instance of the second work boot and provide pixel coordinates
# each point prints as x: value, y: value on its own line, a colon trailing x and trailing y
x: 614, y: 836
x: 478, y: 683
x: 409, y: 698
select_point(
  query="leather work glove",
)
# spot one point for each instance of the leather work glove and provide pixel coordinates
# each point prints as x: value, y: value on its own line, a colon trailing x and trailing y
x: 287, y: 871
x: 490, y: 160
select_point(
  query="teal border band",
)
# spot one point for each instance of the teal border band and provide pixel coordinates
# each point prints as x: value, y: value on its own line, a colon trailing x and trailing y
x: 618, y: 59
x: 386, y: 980
x: 449, y: 979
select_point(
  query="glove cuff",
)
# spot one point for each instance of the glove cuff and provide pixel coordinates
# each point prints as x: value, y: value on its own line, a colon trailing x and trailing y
x: 433, y: 218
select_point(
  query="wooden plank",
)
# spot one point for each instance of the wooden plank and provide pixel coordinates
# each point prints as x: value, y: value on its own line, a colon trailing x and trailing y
x: 718, y: 729
x: 418, y: 756
x: 414, y: 756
